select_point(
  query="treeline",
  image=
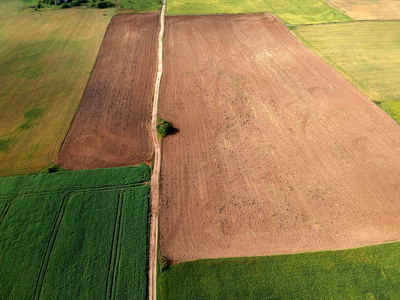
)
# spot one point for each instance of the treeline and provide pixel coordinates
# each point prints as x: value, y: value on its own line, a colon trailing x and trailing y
x: 62, y: 4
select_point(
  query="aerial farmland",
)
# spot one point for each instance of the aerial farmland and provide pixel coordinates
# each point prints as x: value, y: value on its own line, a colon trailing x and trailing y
x: 199, y: 149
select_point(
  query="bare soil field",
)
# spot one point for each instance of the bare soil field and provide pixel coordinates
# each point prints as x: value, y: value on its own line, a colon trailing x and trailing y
x: 276, y: 151
x: 111, y: 126
x: 367, y: 9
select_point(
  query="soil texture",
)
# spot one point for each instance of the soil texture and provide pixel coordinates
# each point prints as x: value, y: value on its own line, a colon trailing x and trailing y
x: 112, y: 125
x: 275, y: 152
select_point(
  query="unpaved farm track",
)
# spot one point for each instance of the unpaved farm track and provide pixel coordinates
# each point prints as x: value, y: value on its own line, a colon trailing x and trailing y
x: 111, y: 126
x: 276, y: 152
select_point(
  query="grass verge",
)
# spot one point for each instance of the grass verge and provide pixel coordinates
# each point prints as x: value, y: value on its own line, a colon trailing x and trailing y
x: 363, y: 273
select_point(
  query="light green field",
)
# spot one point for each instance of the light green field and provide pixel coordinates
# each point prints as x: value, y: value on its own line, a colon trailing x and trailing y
x: 75, y: 235
x: 290, y: 11
x: 364, y: 273
x: 45, y: 62
x: 367, y: 53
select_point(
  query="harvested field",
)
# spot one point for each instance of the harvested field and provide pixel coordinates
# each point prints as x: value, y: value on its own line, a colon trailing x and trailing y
x: 367, y: 9
x: 45, y: 63
x: 276, y: 151
x: 111, y: 126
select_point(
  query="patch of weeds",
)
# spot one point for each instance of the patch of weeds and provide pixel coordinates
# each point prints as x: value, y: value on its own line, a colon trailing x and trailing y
x: 30, y: 116
x: 34, y: 113
x: 25, y: 125
x: 4, y: 145
x: 292, y: 27
x: 31, y: 73
x: 52, y: 169
x: 165, y: 263
x: 163, y: 127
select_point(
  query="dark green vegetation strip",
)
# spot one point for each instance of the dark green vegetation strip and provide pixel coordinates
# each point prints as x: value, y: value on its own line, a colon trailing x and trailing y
x: 364, y: 273
x: 75, y: 234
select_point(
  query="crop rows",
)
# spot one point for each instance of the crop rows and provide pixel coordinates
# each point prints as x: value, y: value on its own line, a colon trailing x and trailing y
x: 66, y: 243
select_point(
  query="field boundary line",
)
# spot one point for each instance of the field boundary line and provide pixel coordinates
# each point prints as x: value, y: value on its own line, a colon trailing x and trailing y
x: 50, y: 245
x: 77, y: 190
x: 114, y: 254
x: 344, y: 22
x: 155, y: 176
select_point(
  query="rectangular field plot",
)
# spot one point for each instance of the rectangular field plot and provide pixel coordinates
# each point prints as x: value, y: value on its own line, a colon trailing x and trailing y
x: 367, y: 9
x: 76, y: 242
x: 363, y: 273
x: 111, y: 126
x: 276, y: 152
x: 290, y: 11
x: 45, y: 63
x: 365, y: 52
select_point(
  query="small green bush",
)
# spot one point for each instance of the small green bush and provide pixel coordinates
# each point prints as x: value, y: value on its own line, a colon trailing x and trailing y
x: 64, y: 5
x: 163, y: 127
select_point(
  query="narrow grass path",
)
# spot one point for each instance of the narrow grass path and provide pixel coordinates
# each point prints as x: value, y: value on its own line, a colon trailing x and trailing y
x: 155, y: 177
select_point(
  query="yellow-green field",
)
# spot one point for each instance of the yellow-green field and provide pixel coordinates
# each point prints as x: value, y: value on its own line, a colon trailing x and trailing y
x: 368, y: 9
x: 290, y: 11
x: 367, y: 53
x: 45, y: 62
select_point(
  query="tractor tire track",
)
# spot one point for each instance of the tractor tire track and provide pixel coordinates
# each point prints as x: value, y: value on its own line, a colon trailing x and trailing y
x: 50, y: 245
x: 4, y: 212
x: 114, y: 254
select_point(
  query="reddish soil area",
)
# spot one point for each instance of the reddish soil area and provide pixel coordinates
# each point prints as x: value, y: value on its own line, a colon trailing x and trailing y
x: 112, y: 125
x: 276, y: 152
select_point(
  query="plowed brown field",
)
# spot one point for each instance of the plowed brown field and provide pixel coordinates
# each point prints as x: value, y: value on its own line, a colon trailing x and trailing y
x: 111, y: 126
x: 276, y: 152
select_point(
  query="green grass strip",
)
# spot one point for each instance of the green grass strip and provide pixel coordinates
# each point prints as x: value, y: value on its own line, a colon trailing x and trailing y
x: 364, y: 273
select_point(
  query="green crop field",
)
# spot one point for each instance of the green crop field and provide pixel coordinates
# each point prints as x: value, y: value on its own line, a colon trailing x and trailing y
x: 45, y: 62
x: 367, y: 53
x: 364, y: 273
x: 290, y: 11
x: 75, y: 234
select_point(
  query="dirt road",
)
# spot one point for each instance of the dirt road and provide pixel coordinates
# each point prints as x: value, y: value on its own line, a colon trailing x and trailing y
x: 155, y: 178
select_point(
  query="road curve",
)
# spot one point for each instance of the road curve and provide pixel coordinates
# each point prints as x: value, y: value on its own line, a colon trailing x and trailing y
x: 155, y: 177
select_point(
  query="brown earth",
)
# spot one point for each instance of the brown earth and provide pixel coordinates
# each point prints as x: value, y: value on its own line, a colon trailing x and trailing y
x: 367, y: 9
x: 276, y: 152
x: 111, y: 126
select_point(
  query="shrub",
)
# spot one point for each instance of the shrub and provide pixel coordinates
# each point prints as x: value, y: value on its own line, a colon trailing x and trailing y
x: 64, y: 5
x: 103, y: 4
x: 163, y: 127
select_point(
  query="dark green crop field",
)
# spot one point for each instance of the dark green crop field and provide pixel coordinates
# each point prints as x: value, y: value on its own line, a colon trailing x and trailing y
x: 75, y: 234
x: 365, y: 273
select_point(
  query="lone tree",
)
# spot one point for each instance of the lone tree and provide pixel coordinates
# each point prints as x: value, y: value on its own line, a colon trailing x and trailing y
x: 163, y: 127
